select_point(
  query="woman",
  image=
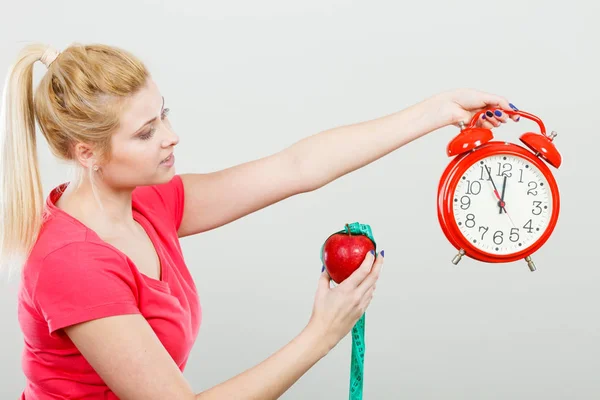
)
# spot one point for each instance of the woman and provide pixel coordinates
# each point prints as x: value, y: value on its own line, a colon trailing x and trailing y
x: 107, y: 305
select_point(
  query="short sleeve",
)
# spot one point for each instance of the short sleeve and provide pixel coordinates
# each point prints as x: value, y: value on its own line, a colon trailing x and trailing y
x: 169, y: 196
x: 83, y: 281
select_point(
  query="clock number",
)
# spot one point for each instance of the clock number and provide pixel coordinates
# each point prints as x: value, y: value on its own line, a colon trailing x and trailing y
x: 537, y: 204
x: 484, y: 175
x: 514, y: 232
x: 472, y: 188
x: 521, y: 175
x: 532, y: 190
x: 465, y: 204
x: 506, y: 168
x: 528, y: 226
x: 485, y: 229
x: 498, y: 236
x: 470, y: 222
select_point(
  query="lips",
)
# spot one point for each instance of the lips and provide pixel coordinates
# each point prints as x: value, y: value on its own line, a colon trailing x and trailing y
x: 166, y: 160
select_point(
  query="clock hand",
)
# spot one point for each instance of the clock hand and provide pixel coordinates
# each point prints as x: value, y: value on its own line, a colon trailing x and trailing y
x: 511, y: 221
x: 502, y: 204
x: 500, y: 201
x: 500, y: 198
x: 493, y: 184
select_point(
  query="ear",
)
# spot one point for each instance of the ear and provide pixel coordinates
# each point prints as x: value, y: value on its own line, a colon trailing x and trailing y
x: 84, y: 154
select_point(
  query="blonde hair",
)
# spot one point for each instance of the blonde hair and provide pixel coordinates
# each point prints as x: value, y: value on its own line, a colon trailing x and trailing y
x: 78, y: 100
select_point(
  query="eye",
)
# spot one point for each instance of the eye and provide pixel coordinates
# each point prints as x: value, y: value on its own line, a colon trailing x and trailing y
x: 147, y: 135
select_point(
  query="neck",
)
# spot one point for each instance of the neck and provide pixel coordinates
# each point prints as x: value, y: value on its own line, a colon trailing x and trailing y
x: 99, y: 206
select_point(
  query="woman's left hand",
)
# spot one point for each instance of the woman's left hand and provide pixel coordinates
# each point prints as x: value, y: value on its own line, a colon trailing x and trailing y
x: 460, y: 105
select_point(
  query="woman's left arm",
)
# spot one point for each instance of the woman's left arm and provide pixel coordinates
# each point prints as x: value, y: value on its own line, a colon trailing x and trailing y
x: 215, y: 199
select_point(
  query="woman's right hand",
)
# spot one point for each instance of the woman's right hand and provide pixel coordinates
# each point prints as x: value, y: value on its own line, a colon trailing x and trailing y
x: 337, y: 309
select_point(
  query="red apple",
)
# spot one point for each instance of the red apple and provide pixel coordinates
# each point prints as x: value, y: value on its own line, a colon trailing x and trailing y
x: 344, y: 252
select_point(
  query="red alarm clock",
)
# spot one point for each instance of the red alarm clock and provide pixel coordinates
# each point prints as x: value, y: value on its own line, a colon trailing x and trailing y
x: 499, y: 201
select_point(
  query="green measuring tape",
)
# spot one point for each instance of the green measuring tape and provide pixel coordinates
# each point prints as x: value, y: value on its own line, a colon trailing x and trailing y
x: 357, y: 360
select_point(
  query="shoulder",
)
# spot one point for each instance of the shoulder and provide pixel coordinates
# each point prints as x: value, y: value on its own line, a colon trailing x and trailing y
x: 76, y: 279
x: 66, y: 253
x: 69, y: 251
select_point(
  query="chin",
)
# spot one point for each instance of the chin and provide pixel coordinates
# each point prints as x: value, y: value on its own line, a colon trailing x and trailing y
x: 155, y: 179
x: 164, y: 176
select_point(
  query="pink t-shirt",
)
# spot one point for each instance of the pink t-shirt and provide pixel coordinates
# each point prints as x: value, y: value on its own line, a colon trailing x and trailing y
x: 73, y: 276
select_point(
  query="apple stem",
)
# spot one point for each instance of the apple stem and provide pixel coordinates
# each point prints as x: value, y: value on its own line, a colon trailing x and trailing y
x: 348, y: 227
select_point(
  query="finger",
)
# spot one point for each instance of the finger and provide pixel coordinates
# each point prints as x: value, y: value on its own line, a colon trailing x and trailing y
x: 484, y: 122
x: 367, y: 298
x: 324, y: 281
x: 515, y: 118
x: 500, y: 116
x: 502, y: 103
x: 495, y: 101
x: 361, y: 272
x: 491, y: 119
x: 371, y: 279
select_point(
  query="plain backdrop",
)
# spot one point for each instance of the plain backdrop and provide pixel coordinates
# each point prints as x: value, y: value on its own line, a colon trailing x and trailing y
x: 245, y: 79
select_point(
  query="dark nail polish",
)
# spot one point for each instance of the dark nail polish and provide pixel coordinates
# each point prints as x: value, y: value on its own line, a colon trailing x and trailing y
x: 498, y: 113
x: 382, y: 255
x: 518, y: 118
x: 513, y: 107
x: 489, y: 114
x: 372, y: 252
x: 482, y: 116
x: 323, y: 269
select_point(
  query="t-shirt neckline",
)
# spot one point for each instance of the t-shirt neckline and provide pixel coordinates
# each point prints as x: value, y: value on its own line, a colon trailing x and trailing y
x: 161, y: 283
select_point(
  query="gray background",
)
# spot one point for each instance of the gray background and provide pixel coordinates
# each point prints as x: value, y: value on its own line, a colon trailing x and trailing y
x: 245, y: 79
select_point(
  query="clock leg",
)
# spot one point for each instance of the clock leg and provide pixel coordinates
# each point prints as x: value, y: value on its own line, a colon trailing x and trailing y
x: 457, y: 257
x: 530, y: 263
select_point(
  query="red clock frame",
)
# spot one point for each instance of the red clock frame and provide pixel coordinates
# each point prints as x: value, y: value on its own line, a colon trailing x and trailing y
x: 447, y: 186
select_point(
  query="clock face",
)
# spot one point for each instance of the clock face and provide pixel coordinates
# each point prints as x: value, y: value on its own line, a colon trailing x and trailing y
x: 502, y: 180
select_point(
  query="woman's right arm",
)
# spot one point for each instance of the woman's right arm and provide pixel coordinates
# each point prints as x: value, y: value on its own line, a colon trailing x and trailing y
x: 130, y: 359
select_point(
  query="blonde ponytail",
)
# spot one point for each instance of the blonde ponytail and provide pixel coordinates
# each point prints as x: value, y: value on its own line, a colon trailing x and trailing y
x: 78, y: 100
x: 21, y: 195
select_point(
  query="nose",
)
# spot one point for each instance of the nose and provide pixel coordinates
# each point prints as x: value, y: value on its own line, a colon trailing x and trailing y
x: 170, y: 137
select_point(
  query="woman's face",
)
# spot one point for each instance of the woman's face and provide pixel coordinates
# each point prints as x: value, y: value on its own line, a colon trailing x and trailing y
x: 142, y: 148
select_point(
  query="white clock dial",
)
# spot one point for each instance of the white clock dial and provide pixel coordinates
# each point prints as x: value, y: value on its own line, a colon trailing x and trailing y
x: 527, y: 204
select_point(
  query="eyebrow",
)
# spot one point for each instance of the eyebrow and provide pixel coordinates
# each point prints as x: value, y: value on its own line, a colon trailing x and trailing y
x: 162, y: 107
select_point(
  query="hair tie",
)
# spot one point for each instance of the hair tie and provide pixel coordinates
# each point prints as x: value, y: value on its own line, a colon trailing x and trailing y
x: 49, y: 56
